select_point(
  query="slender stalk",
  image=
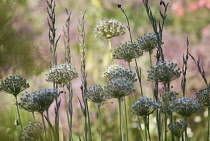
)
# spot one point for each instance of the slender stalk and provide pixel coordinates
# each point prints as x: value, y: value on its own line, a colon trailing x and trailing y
x: 33, y: 116
x: 110, y: 50
x: 165, y: 126
x: 18, y: 113
x: 207, y: 137
x: 171, y: 121
x: 45, y: 131
x: 99, y: 113
x: 126, y: 120
x: 150, y: 58
x: 185, y: 122
x: 120, y: 118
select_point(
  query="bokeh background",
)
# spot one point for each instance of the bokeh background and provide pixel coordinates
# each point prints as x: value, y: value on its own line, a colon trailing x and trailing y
x: 24, y: 50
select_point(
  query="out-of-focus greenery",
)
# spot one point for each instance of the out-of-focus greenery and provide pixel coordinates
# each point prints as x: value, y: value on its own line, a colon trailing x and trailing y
x: 17, y: 49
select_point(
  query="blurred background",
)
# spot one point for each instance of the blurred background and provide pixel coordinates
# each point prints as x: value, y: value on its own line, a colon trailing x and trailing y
x: 25, y: 51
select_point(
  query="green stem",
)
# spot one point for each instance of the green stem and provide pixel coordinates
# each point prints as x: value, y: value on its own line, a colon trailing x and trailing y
x: 33, y: 116
x: 165, y: 126
x: 120, y: 118
x: 185, y: 122
x: 110, y: 50
x: 150, y: 58
x: 171, y: 121
x: 126, y: 120
x: 138, y: 72
x: 99, y: 113
x: 90, y: 133
x: 207, y: 138
x: 44, y: 126
x: 18, y: 113
x: 66, y: 105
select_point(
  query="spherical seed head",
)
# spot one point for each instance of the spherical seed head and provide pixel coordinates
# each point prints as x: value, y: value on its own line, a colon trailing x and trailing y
x: 96, y: 94
x: 61, y: 74
x: 109, y: 28
x: 144, y: 106
x: 177, y: 128
x: 119, y: 87
x: 14, y: 85
x: 147, y: 42
x: 203, y: 97
x: 184, y: 106
x: 163, y: 72
x: 38, y: 100
x: 127, y: 51
x: 32, y: 131
x: 115, y: 72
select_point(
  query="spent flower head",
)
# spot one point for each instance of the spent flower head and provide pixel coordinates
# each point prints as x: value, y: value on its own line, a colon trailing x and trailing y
x: 38, y: 100
x: 109, y: 28
x: 203, y: 97
x: 32, y: 131
x: 110, y: 70
x: 14, y: 85
x: 163, y: 71
x: 177, y: 128
x: 96, y: 94
x: 119, y: 87
x: 127, y: 51
x: 147, y: 42
x: 184, y: 106
x: 144, y: 106
x: 61, y: 74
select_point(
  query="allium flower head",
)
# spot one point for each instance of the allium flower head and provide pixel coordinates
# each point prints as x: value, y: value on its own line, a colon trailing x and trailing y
x: 119, y: 87
x: 39, y: 100
x: 147, y: 42
x: 115, y: 72
x: 14, y: 85
x: 163, y: 72
x: 177, y: 128
x: 109, y: 28
x: 144, y: 106
x: 185, y: 106
x: 32, y: 131
x: 96, y: 94
x: 165, y: 100
x: 203, y: 97
x: 61, y: 74
x: 127, y: 51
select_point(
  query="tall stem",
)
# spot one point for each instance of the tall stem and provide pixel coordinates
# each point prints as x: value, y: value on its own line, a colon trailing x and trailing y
x: 110, y: 50
x: 33, y: 116
x: 18, y: 113
x: 99, y: 113
x: 207, y: 137
x: 185, y: 122
x: 120, y: 118
x: 165, y: 126
x: 126, y: 120
x: 44, y: 125
x: 66, y: 105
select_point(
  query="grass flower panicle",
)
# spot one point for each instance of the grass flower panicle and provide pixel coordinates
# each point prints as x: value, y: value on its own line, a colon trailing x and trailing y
x: 109, y: 28
x: 119, y: 87
x: 39, y: 100
x: 32, y: 132
x: 96, y: 94
x: 163, y: 71
x: 177, y: 128
x: 61, y: 74
x: 144, y: 106
x: 147, y: 42
x: 185, y: 106
x: 203, y: 97
x: 14, y: 85
x: 127, y: 51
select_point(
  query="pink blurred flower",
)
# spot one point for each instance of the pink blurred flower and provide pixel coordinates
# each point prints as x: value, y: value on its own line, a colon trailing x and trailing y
x: 178, y: 8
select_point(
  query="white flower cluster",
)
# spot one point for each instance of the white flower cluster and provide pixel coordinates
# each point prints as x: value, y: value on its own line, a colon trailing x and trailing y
x: 96, y: 94
x: 127, y: 51
x: 110, y: 70
x: 119, y: 87
x: 109, y: 28
x: 32, y: 131
x: 39, y: 100
x: 184, y: 106
x: 203, y: 97
x: 14, y: 85
x: 163, y: 72
x: 147, y: 42
x: 144, y: 106
x: 61, y: 74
